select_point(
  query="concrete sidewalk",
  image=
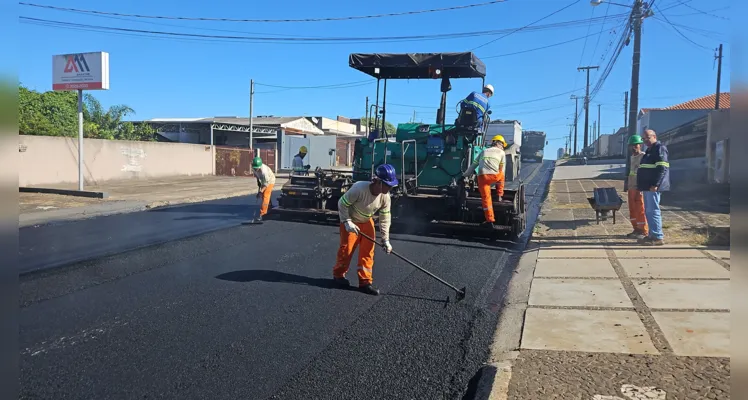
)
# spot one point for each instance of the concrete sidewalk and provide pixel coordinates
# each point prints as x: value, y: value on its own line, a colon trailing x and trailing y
x: 132, y: 195
x: 591, y: 314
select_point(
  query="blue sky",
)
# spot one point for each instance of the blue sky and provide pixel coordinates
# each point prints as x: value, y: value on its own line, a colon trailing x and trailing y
x: 166, y: 77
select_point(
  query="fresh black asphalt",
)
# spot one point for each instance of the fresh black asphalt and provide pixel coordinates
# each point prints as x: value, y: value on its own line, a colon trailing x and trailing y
x: 247, y: 312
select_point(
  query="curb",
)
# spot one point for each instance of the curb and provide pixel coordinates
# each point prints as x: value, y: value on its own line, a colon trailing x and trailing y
x: 41, y: 218
x: 494, y: 378
x: 65, y: 192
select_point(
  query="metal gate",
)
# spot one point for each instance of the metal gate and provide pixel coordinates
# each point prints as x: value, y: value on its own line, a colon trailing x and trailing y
x: 232, y: 161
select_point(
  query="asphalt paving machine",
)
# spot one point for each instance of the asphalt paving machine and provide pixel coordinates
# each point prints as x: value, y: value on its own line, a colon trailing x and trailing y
x: 429, y: 158
x: 314, y: 196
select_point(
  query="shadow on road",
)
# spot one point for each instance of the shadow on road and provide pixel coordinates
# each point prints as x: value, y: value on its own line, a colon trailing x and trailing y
x: 262, y: 275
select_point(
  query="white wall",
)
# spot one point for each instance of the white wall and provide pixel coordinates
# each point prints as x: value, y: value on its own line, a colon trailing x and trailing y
x: 54, y: 160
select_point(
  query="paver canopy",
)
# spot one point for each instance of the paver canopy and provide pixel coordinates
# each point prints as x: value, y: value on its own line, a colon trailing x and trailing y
x: 418, y: 65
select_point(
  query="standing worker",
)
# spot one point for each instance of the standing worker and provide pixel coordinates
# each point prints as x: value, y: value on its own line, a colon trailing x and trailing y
x: 298, y: 162
x: 636, y: 199
x: 265, y: 181
x: 356, y: 208
x: 653, y: 178
x: 491, y: 164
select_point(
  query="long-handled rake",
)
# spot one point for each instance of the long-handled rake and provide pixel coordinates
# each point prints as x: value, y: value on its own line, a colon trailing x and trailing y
x: 254, y: 220
x: 460, y: 292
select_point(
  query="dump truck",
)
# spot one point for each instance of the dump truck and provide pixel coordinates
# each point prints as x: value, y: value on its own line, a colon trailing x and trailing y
x: 533, y: 143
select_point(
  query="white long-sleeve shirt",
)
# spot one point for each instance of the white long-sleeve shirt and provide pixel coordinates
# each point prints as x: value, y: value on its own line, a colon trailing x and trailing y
x: 359, y: 205
x: 490, y: 161
x: 265, y: 176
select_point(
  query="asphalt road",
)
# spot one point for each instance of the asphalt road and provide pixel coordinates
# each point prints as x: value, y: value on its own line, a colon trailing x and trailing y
x: 247, y: 312
x: 63, y: 243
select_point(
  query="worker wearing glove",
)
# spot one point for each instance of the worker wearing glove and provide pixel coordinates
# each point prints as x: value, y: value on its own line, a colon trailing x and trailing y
x: 356, y: 209
x: 491, y: 164
x: 265, y: 183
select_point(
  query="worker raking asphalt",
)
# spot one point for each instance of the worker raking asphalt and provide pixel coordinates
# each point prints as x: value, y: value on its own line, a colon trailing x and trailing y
x: 252, y: 312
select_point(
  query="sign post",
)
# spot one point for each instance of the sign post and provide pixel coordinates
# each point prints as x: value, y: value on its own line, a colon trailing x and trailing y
x: 81, y: 71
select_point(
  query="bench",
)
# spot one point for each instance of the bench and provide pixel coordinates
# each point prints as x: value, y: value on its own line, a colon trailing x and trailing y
x: 603, y: 201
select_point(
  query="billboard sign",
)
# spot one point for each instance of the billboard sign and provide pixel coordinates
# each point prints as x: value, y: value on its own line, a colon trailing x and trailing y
x: 81, y: 71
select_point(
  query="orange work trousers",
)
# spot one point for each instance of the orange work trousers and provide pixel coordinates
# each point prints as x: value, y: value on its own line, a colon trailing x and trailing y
x: 636, y: 211
x: 266, y: 199
x: 348, y: 244
x: 484, y: 188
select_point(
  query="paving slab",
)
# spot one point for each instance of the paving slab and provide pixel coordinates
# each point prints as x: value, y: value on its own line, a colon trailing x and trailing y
x: 578, y: 268
x: 586, y: 330
x: 723, y: 254
x: 573, y: 253
x: 682, y: 268
x: 704, y: 334
x: 685, y: 294
x: 665, y: 252
x: 578, y: 293
x: 545, y: 375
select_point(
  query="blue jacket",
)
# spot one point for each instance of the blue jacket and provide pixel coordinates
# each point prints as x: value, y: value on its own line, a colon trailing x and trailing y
x: 478, y: 102
x: 654, y: 169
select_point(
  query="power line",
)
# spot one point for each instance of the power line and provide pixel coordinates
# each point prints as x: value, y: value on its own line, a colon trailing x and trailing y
x: 526, y: 26
x: 704, y: 12
x: 679, y: 32
x: 347, y: 18
x: 538, y: 48
x: 497, y: 105
x: 607, y: 10
x: 584, y: 48
x: 260, y: 39
x: 356, y: 83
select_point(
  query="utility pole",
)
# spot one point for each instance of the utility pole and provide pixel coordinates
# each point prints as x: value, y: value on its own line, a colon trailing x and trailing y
x: 637, y: 16
x: 625, y: 109
x: 587, y: 104
x: 576, y: 120
x: 594, y: 136
x: 251, y: 101
x: 599, y: 123
x: 719, y: 76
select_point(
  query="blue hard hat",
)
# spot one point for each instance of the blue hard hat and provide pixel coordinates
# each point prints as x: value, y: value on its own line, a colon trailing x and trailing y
x: 386, y: 173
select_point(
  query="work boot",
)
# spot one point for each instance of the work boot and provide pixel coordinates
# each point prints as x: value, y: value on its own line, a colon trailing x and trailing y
x: 636, y: 234
x: 487, y: 224
x: 341, y: 282
x: 652, y: 242
x: 369, y: 289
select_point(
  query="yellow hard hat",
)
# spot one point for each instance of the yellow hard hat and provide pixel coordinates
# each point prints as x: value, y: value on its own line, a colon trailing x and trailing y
x: 498, y: 138
x: 302, y: 149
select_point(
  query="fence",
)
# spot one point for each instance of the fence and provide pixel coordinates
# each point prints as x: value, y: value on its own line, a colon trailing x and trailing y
x: 231, y: 161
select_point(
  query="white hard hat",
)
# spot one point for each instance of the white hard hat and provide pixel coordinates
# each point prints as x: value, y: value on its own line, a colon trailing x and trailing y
x: 489, y: 87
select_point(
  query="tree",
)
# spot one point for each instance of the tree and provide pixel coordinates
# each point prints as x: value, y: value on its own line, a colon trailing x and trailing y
x: 56, y: 114
x: 47, y: 114
x: 388, y: 127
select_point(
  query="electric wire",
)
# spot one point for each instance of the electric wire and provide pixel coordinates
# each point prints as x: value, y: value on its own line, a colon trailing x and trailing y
x: 526, y: 26
x: 347, y: 18
x: 681, y: 33
x: 305, y: 40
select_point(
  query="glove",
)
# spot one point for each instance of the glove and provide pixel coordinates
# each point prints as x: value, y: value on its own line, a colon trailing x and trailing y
x: 307, y: 166
x: 259, y: 193
x: 387, y: 247
x: 351, y: 227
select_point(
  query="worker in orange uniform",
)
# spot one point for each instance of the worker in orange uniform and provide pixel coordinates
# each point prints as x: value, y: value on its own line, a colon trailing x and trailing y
x: 636, y: 198
x: 356, y: 208
x: 265, y: 182
x: 491, y: 164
